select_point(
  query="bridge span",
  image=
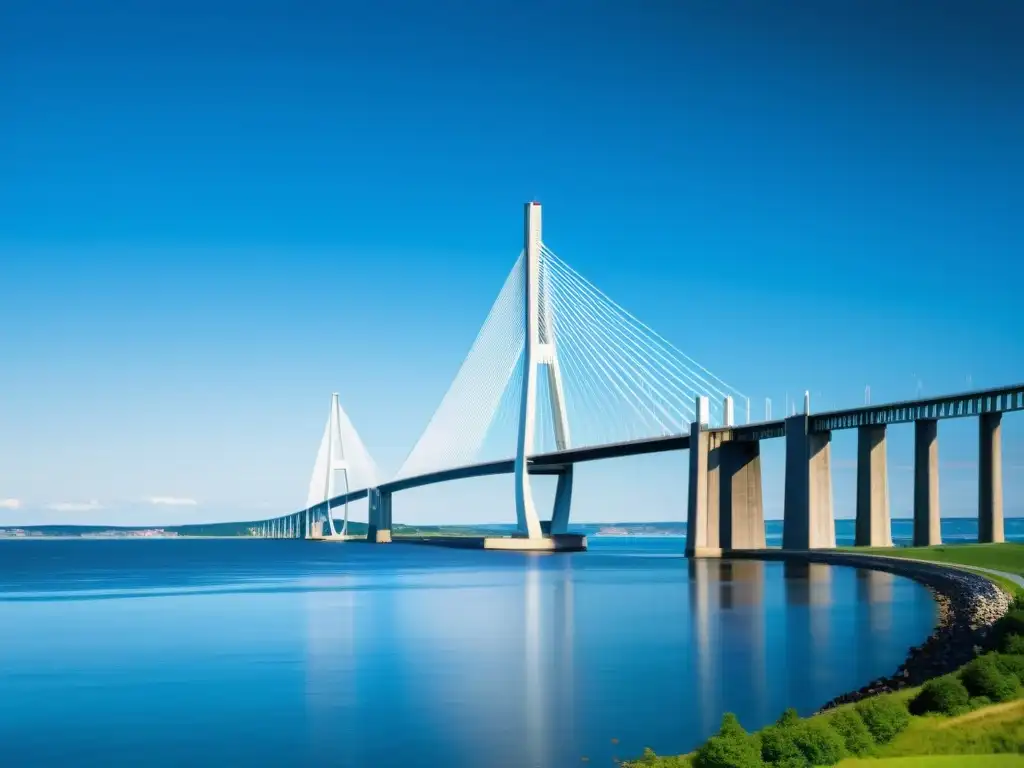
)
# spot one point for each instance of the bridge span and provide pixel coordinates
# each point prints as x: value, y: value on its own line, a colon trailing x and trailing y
x: 554, y: 343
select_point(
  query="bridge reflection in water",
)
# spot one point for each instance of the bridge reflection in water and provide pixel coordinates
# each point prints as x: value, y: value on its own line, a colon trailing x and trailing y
x: 488, y: 666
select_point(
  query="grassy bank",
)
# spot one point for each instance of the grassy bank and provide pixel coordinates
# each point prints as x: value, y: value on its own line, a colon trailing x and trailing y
x: 1008, y: 557
x: 974, y: 716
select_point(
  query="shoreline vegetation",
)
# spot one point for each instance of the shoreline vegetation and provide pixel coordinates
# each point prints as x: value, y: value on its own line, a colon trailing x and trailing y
x: 960, y: 693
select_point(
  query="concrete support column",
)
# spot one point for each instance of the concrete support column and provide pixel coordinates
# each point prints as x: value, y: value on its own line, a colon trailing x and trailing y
x: 379, y: 529
x: 563, y: 502
x: 702, y: 506
x: 873, y: 525
x: 741, y: 509
x: 927, y: 529
x: 808, y: 520
x: 990, y: 479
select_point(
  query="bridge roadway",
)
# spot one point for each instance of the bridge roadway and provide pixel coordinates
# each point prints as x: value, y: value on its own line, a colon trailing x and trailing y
x: 975, y: 403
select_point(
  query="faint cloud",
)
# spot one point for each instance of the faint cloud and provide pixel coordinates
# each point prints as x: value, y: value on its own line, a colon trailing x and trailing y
x: 74, y: 506
x: 172, y: 501
x: 10, y: 504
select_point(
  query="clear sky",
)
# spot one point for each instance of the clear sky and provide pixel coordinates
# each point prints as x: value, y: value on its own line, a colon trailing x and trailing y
x: 213, y: 214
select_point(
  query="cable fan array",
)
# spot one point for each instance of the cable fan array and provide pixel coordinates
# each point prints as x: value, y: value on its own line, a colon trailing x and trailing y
x: 620, y: 379
x: 340, y: 447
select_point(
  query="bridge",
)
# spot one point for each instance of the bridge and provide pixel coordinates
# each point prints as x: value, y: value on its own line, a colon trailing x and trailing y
x: 568, y: 376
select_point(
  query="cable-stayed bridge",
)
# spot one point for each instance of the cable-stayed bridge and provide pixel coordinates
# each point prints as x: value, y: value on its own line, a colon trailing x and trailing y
x: 560, y: 374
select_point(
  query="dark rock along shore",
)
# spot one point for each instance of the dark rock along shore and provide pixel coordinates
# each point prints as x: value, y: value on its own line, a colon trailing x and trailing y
x: 968, y: 606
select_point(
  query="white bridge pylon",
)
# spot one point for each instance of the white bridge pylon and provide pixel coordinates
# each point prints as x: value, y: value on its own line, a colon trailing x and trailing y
x: 358, y: 468
x: 540, y: 349
x: 609, y: 377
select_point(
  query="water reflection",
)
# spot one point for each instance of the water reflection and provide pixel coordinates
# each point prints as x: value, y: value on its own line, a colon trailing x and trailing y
x: 498, y: 669
x: 422, y: 657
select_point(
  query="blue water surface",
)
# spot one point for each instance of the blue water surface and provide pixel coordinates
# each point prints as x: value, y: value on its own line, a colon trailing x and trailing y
x: 280, y: 652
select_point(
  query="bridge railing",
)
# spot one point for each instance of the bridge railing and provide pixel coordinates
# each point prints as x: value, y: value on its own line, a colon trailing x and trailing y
x: 998, y: 400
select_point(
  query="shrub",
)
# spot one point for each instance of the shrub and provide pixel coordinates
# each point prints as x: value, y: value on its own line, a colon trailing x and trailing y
x: 1013, y: 644
x: 946, y: 695
x: 856, y: 736
x: 1012, y: 663
x: 884, y: 716
x: 819, y: 744
x: 1012, y: 623
x: 778, y: 747
x: 728, y: 752
x: 983, y: 677
x: 733, y: 747
x: 789, y: 717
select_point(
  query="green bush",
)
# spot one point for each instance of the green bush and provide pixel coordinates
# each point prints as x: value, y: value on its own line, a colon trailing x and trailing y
x: 1010, y: 624
x: 884, y: 716
x: 819, y: 744
x: 778, y: 747
x: 1012, y: 663
x: 1013, y: 644
x: 789, y: 717
x: 850, y: 726
x: 650, y: 759
x: 728, y: 752
x: 984, y: 677
x: 946, y: 695
x: 733, y: 747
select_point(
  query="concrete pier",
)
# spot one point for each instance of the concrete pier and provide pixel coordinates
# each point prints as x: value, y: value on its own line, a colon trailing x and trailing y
x: 927, y: 530
x: 873, y: 523
x: 741, y: 507
x: 990, y: 479
x: 702, y: 505
x: 809, y: 522
x: 379, y: 529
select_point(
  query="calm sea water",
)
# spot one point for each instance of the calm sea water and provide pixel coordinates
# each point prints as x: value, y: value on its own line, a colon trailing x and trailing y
x: 276, y: 653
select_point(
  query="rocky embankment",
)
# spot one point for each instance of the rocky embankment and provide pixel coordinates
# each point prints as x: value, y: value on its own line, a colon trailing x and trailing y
x: 968, y: 606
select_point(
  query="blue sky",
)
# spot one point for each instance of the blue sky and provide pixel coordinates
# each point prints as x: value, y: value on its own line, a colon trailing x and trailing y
x: 214, y: 214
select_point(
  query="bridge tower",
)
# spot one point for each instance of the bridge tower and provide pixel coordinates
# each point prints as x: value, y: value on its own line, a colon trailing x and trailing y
x: 330, y: 459
x: 540, y: 349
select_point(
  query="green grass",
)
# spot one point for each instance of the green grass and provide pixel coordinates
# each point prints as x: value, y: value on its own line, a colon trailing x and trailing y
x: 998, y: 728
x: 1007, y: 557
x: 937, y: 761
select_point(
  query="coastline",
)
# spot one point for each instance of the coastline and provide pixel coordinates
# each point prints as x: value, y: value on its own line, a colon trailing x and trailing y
x: 968, y: 605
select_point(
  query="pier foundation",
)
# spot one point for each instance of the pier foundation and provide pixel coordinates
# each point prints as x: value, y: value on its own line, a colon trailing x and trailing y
x: 927, y: 530
x: 808, y: 520
x: 990, y: 479
x: 873, y: 523
x: 702, y: 502
x: 379, y: 528
x: 741, y: 509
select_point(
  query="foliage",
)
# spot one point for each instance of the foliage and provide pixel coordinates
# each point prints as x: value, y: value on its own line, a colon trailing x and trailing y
x: 1013, y: 645
x: 884, y: 716
x: 778, y: 747
x: 984, y: 677
x: 1011, y: 624
x: 818, y: 742
x: 733, y: 747
x: 1011, y: 664
x: 945, y: 695
x: 731, y: 726
x: 789, y: 717
x: 649, y: 758
x: 850, y: 726
x: 1018, y: 600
